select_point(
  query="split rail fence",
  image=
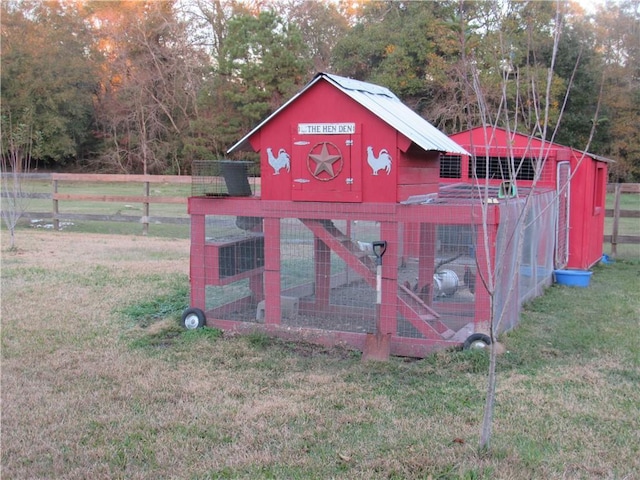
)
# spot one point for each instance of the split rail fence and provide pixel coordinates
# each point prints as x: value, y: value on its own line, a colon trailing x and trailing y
x: 615, y: 239
x: 146, y: 200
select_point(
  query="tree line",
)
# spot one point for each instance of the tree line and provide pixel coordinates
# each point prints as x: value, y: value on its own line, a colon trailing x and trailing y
x: 149, y: 86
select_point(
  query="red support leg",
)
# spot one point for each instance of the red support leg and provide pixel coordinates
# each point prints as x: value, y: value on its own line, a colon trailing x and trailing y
x: 322, y: 273
x: 388, y: 316
x: 272, y: 271
x: 197, y: 263
x: 426, y: 262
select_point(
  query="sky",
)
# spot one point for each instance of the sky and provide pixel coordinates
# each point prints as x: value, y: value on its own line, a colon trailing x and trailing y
x: 589, y: 5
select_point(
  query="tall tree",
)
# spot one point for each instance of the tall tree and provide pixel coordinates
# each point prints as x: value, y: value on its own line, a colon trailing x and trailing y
x: 265, y: 61
x: 48, y: 77
x: 618, y: 37
x: 208, y: 20
x: 321, y: 25
x: 414, y: 48
x: 150, y: 82
x: 580, y: 63
x: 262, y: 64
x: 216, y: 125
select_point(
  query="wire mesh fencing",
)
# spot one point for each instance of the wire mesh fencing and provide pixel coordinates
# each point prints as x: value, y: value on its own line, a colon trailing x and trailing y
x: 314, y: 269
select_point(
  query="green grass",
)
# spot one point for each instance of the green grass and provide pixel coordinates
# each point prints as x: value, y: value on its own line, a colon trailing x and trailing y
x: 170, y: 304
x: 567, y: 386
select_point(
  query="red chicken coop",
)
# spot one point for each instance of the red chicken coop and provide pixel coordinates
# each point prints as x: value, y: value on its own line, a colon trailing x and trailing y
x: 579, y: 178
x: 346, y: 167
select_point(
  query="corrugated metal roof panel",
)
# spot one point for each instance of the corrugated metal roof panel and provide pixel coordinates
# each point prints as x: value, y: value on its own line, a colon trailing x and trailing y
x: 384, y: 104
x: 599, y: 158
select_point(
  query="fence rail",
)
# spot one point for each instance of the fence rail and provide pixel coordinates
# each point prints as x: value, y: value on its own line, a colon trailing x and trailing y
x: 624, y: 187
x: 146, y: 200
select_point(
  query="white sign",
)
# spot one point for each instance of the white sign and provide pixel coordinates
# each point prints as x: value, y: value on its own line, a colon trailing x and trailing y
x: 326, y: 128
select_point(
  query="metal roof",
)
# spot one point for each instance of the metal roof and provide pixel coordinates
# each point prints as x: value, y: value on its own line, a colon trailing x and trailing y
x: 384, y: 104
x: 491, y: 129
x: 598, y: 158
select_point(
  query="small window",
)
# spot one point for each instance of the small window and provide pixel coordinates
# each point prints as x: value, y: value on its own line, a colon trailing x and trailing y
x: 499, y: 168
x: 450, y: 166
x: 599, y: 190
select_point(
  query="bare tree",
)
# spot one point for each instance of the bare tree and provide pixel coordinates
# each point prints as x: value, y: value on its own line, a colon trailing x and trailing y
x: 18, y: 144
x: 526, y: 98
x: 152, y: 76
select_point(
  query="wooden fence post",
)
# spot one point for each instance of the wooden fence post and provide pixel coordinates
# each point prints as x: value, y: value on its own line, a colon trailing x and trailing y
x: 56, y: 221
x: 616, y: 220
x: 145, y: 211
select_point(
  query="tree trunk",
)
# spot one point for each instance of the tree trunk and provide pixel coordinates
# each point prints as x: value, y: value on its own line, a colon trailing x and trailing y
x: 490, y: 401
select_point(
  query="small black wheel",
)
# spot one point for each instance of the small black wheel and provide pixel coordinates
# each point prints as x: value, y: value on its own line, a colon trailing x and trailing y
x: 193, y: 318
x: 477, y: 341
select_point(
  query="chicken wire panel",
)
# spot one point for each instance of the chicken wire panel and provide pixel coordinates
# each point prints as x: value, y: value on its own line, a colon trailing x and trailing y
x: 223, y: 300
x: 436, y: 277
x: 328, y: 270
x: 228, y: 228
x: 537, y: 261
x: 322, y: 266
x: 223, y: 178
x: 296, y: 257
x: 524, y: 255
x: 234, y: 258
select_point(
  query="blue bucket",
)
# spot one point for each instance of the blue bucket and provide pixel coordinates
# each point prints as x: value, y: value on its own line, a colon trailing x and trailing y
x: 607, y: 260
x: 573, y: 278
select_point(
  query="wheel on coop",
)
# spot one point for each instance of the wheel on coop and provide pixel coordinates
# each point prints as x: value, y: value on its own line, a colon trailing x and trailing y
x: 193, y: 318
x: 477, y: 341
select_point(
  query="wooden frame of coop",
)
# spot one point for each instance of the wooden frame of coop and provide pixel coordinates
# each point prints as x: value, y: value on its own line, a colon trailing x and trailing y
x: 401, y: 300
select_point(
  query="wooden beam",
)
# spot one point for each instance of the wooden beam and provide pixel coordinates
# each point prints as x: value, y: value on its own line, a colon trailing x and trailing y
x: 94, y: 177
x: 609, y: 212
x: 119, y: 198
x: 626, y: 239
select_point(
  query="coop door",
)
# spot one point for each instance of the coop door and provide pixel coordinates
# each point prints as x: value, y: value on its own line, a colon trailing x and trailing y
x: 562, y: 225
x: 326, y: 168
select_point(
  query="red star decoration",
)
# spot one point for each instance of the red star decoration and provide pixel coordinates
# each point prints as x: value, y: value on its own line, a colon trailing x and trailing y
x: 324, y: 161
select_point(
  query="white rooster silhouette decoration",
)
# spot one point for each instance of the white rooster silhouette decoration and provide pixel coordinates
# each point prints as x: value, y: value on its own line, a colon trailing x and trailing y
x: 381, y: 162
x: 279, y: 162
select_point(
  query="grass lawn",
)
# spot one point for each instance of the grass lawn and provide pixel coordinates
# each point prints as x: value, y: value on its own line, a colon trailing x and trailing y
x: 98, y: 381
